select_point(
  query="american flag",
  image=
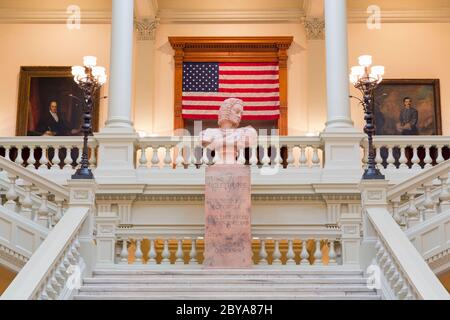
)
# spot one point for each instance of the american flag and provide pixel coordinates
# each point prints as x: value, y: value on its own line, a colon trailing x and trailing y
x: 207, y: 84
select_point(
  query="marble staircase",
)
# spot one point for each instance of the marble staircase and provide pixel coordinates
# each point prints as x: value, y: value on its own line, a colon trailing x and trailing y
x: 248, y: 284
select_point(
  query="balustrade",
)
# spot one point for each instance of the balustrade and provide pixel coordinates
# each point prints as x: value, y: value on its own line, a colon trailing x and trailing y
x: 32, y: 196
x: 401, y: 152
x: 188, y: 250
x: 47, y: 153
x: 186, y: 152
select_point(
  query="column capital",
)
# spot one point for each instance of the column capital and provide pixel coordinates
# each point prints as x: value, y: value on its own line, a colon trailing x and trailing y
x: 315, y: 28
x: 145, y: 28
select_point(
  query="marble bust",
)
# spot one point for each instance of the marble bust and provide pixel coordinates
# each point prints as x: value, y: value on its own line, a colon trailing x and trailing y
x: 228, y: 138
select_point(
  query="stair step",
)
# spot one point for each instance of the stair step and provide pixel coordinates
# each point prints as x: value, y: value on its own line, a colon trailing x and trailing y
x: 223, y: 288
x: 253, y: 296
x: 220, y: 280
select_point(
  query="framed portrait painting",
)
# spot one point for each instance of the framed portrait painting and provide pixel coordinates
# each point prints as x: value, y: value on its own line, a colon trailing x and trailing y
x: 50, y: 103
x: 408, y: 107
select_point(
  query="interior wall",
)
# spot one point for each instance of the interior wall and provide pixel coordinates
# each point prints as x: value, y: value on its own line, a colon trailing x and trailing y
x: 6, y: 277
x: 409, y: 51
x: 45, y: 45
x: 164, y: 68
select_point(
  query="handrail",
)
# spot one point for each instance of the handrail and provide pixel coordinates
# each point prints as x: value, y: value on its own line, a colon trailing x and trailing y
x: 417, y: 273
x: 43, y: 140
x: 412, y: 141
x: 32, y: 277
x: 34, y: 178
x: 425, y: 176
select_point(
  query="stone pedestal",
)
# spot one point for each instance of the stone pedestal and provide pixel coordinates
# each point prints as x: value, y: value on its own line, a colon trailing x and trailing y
x: 228, y: 240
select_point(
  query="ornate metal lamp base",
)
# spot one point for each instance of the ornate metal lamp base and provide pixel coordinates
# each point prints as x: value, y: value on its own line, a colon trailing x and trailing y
x: 83, y: 173
x: 372, y: 174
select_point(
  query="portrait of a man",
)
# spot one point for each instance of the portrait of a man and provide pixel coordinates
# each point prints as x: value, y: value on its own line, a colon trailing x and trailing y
x: 407, y: 107
x: 408, y: 118
x: 50, y: 103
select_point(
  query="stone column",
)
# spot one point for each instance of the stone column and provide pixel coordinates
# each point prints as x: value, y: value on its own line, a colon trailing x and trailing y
x: 337, y: 65
x: 116, y: 152
x: 121, y: 67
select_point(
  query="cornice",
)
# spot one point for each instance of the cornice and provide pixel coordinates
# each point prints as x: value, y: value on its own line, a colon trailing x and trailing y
x: 52, y: 17
x: 403, y: 16
x: 175, y: 16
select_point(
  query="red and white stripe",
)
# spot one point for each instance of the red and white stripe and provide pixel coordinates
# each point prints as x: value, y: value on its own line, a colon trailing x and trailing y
x: 257, y: 84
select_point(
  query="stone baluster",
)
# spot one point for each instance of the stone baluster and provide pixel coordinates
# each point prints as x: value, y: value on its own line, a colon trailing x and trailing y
x: 43, y: 161
x: 439, y: 157
x: 138, y: 253
x: 205, y: 159
x: 7, y: 152
x: 19, y: 158
x: 395, y: 210
x: 415, y: 159
x: 193, y: 252
x: 194, y: 160
x: 143, y: 158
x: 265, y: 159
x: 318, y: 254
x: 427, y: 160
x: 167, y: 157
x: 290, y: 255
x: 68, y: 158
x: 11, y: 194
x: 93, y: 157
x: 217, y: 155
x: 26, y: 204
x: 278, y: 161
x: 444, y: 195
x: 378, y: 158
x: 179, y: 254
x: 262, y: 253
x: 428, y: 202
x: 331, y: 254
x: 276, y: 255
x: 254, y: 156
x: 43, y: 211
x: 165, y: 253
x: 241, y: 157
x: 303, y: 160
x: 59, y: 210
x: 315, y: 157
x: 179, y: 160
x: 290, y: 158
x: 189, y: 156
x: 152, y: 253
x: 55, y: 160
x: 155, y: 156
x: 304, y: 254
x: 124, y: 252
x: 412, y: 210
x: 403, y: 160
x: 80, y: 153
x: 31, y: 160
x: 390, y: 159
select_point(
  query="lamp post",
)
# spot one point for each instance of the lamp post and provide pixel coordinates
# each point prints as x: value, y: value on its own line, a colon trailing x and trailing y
x: 366, y: 78
x: 89, y: 79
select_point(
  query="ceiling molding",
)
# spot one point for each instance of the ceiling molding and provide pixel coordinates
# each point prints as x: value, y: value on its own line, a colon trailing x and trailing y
x: 175, y: 16
x: 53, y: 17
x: 403, y: 16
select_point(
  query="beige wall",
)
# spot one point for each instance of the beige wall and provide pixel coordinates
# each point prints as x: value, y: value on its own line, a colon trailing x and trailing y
x: 44, y: 45
x: 407, y: 51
